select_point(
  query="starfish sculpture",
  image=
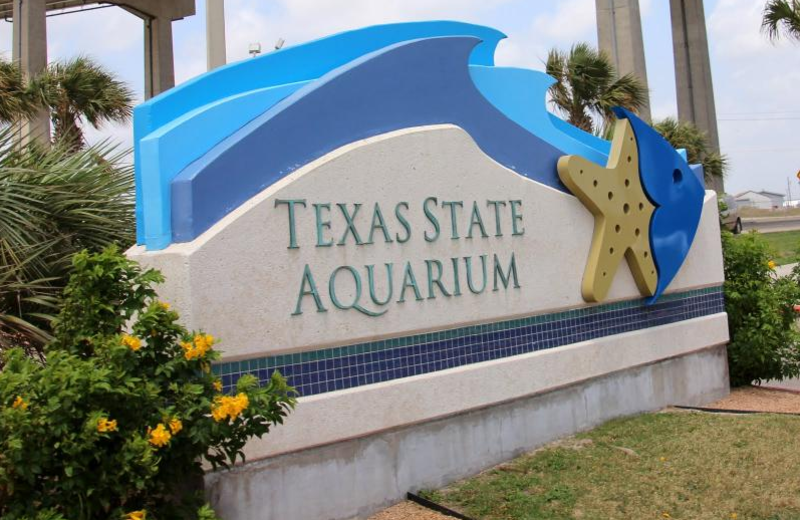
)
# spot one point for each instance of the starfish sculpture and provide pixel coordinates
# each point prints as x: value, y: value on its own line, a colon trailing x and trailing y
x: 622, y: 214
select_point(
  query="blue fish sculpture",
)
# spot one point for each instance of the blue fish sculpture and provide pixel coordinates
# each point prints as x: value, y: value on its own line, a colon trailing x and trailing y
x: 677, y: 193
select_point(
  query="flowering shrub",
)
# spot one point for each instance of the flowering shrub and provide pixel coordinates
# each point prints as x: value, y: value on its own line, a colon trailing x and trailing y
x: 765, y: 343
x: 117, y: 424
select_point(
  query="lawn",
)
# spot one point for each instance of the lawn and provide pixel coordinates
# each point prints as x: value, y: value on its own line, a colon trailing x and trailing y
x: 785, y: 244
x: 675, y: 465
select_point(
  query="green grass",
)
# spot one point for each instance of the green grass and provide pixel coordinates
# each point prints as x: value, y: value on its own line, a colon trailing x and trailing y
x: 656, y: 466
x: 785, y: 244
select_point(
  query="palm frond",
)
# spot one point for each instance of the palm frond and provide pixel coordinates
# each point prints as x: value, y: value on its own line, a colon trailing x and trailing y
x: 54, y: 203
x: 781, y: 16
x: 587, y: 87
x: 682, y: 134
x: 81, y: 89
x: 15, y: 100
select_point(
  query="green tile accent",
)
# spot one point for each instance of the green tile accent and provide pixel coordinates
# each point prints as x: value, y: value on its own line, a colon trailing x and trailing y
x: 225, y: 368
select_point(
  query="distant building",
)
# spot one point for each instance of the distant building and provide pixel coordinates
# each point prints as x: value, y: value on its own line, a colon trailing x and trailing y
x: 760, y: 199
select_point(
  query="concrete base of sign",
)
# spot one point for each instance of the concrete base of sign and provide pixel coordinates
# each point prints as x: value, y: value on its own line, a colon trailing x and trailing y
x: 354, y: 478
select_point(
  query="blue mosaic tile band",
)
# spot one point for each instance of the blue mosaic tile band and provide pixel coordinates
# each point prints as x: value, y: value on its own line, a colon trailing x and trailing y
x: 338, y: 368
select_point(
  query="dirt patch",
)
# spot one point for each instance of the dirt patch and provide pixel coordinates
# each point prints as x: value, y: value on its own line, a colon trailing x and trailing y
x: 753, y: 398
x: 408, y: 511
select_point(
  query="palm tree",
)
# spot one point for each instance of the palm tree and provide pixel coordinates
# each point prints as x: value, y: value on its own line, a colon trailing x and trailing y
x: 782, y: 16
x: 15, y: 100
x: 682, y: 134
x: 53, y: 203
x: 587, y: 87
x: 81, y: 89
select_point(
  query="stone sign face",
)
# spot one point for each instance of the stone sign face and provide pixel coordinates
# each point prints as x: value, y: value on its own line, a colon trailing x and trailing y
x: 394, y: 223
x: 416, y: 229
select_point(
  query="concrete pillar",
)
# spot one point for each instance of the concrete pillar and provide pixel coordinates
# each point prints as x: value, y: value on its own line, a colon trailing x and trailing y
x: 159, y: 68
x: 619, y: 35
x: 215, y: 33
x: 693, y: 71
x: 29, y: 40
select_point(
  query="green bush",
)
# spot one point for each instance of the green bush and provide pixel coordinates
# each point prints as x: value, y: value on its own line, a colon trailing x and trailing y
x: 765, y: 343
x: 115, y: 424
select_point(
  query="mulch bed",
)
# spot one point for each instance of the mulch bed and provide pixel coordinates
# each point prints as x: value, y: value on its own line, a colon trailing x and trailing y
x: 408, y: 511
x: 760, y: 399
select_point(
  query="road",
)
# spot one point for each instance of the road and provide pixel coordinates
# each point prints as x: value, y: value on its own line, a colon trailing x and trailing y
x: 771, y: 224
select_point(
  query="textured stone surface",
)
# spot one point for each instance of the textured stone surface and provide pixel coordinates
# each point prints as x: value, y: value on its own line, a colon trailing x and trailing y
x: 244, y: 258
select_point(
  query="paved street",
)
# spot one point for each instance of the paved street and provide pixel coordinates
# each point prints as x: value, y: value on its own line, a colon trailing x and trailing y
x: 789, y: 384
x: 771, y: 224
x: 784, y: 270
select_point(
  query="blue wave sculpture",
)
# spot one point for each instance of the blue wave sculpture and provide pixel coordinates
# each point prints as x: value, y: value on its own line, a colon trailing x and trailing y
x: 285, y: 70
x: 266, y: 117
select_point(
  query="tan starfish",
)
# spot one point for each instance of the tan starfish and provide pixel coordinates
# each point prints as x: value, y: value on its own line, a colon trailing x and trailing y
x: 622, y: 214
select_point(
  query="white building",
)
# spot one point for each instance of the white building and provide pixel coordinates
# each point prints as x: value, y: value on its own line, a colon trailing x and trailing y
x: 760, y: 199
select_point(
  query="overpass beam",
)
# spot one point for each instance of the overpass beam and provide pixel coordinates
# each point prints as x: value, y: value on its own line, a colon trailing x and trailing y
x: 159, y: 67
x: 29, y: 40
x: 158, y: 15
x: 215, y: 34
x: 619, y: 35
x: 693, y: 71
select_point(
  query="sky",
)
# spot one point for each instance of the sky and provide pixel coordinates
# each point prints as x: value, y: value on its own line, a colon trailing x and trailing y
x: 755, y: 81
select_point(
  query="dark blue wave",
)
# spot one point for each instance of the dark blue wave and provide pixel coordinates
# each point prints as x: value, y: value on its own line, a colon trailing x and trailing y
x: 415, y: 83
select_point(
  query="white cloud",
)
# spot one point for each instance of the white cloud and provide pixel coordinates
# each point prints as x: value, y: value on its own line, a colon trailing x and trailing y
x: 297, y: 21
x: 755, y: 83
x: 734, y: 28
x: 572, y: 21
x: 106, y: 32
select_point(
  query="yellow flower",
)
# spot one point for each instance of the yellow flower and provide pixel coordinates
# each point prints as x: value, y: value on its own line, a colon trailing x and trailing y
x: 229, y: 407
x: 663, y: 459
x: 204, y: 341
x: 217, y: 385
x: 200, y: 344
x: 136, y: 515
x: 771, y: 264
x: 160, y: 436
x: 104, y: 425
x: 19, y: 402
x: 189, y: 351
x: 175, y: 425
x: 132, y: 342
x: 240, y: 402
x: 164, y: 305
x: 734, y: 515
x: 218, y: 413
x: 666, y: 515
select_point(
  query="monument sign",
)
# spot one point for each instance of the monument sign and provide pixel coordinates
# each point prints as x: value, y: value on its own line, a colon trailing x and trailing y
x: 448, y: 273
